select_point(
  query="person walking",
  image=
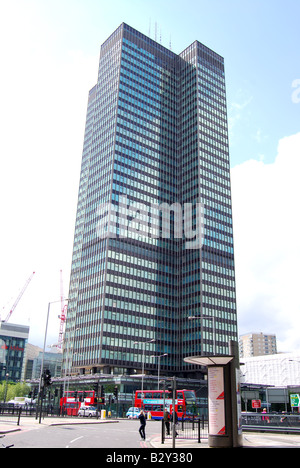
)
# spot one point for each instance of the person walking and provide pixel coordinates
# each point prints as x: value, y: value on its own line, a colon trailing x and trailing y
x: 174, y: 415
x: 142, y: 419
x: 167, y: 420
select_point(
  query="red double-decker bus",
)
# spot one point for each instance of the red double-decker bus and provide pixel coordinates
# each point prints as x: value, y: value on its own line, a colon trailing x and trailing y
x: 72, y: 401
x: 153, y: 401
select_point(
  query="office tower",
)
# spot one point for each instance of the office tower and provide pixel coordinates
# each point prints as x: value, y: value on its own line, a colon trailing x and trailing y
x: 153, y: 262
x: 257, y: 344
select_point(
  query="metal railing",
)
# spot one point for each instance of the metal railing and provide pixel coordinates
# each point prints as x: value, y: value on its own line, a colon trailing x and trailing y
x: 271, y: 421
x: 195, y: 428
x: 10, y: 413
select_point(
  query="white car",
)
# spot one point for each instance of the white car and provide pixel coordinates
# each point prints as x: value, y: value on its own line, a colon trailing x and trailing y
x: 133, y: 413
x: 88, y: 411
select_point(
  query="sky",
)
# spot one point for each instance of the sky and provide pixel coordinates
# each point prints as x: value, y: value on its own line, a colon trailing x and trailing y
x: 49, y: 61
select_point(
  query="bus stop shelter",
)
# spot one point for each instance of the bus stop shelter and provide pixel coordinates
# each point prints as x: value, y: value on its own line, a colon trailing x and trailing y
x: 224, y: 400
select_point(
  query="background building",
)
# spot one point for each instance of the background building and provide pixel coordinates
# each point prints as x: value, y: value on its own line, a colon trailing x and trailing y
x: 34, y: 356
x: 257, y: 344
x: 156, y: 133
x: 281, y: 370
x: 13, y: 342
x: 32, y: 353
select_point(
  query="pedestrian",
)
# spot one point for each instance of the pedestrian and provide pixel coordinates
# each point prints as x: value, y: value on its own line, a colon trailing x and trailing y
x: 167, y: 420
x: 284, y: 417
x: 265, y: 417
x: 175, y: 416
x: 142, y: 419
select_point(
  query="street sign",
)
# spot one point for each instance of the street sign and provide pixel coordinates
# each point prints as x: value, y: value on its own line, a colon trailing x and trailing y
x: 295, y: 400
x: 256, y: 403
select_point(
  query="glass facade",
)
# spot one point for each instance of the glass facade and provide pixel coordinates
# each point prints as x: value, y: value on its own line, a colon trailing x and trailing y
x: 146, y: 280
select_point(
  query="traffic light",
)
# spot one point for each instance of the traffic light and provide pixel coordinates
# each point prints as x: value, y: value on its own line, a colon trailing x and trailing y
x: 101, y: 398
x: 116, y: 391
x: 172, y: 385
x: 47, y: 378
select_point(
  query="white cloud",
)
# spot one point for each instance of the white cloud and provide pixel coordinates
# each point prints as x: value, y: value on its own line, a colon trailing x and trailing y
x: 267, y: 232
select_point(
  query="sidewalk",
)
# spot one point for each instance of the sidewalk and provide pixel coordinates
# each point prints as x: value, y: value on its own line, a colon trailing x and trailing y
x: 250, y: 440
x: 7, y: 427
x: 155, y: 442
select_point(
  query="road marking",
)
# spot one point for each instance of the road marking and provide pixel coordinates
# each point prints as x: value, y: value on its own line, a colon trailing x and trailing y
x: 74, y: 440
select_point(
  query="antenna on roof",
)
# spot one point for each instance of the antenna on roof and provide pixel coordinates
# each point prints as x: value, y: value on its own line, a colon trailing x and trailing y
x: 170, y: 44
x: 155, y: 31
x: 149, y: 27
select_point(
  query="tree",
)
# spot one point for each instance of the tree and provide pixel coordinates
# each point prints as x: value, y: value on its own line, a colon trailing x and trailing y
x: 13, y: 390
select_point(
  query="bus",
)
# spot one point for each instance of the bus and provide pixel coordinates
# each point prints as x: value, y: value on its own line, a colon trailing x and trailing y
x: 153, y: 401
x: 72, y: 401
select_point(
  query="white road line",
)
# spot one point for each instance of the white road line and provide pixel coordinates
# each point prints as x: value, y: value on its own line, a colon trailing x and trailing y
x: 74, y: 440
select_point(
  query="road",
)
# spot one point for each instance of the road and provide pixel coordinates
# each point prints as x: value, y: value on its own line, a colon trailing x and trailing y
x: 123, y: 434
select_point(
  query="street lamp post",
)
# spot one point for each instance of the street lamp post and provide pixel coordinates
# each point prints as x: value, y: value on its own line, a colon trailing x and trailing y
x: 70, y: 359
x: 160, y: 356
x: 7, y: 373
x: 6, y: 383
x: 143, y: 358
x: 43, y: 355
x: 295, y: 360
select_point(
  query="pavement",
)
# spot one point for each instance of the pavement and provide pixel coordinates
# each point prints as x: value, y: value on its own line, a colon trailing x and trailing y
x: 250, y: 439
x: 7, y: 427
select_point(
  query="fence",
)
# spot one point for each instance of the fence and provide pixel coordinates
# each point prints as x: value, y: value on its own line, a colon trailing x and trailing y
x: 10, y: 413
x: 271, y: 422
x: 195, y: 428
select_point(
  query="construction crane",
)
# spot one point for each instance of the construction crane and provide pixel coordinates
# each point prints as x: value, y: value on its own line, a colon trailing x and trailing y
x: 63, y: 314
x: 19, y: 297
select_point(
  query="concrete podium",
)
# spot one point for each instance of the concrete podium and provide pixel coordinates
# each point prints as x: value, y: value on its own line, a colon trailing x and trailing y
x: 224, y: 401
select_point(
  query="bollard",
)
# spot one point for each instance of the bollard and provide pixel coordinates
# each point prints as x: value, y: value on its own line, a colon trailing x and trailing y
x: 19, y: 416
x: 162, y: 431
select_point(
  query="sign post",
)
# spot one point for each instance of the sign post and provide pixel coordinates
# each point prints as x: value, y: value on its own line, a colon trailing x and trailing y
x: 256, y: 404
x: 295, y: 400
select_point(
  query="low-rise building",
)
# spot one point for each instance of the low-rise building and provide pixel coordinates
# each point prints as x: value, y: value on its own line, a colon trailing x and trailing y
x: 13, y: 342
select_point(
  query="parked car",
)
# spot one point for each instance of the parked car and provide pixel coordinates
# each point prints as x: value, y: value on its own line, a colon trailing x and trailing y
x: 133, y: 413
x: 88, y: 411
